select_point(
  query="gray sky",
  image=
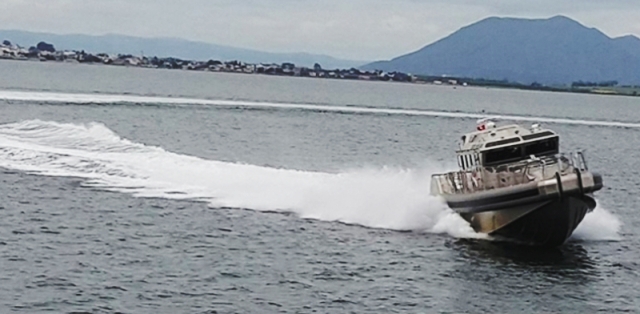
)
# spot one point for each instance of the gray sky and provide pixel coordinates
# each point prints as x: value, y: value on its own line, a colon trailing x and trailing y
x: 352, y: 29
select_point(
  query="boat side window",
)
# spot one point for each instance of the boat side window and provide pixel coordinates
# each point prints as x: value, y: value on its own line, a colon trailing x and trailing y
x: 541, y: 148
x: 468, y: 161
x: 502, y: 155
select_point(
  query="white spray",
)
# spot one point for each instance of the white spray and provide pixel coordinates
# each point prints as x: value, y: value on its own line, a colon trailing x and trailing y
x: 599, y: 225
x: 388, y: 198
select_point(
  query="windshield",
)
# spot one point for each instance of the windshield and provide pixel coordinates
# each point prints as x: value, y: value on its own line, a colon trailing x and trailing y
x: 520, y: 152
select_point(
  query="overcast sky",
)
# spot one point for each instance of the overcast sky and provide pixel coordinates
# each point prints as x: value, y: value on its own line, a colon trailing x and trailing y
x: 351, y: 29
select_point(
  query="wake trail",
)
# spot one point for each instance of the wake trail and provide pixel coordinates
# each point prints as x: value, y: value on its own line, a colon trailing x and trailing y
x: 129, y: 99
x: 389, y: 198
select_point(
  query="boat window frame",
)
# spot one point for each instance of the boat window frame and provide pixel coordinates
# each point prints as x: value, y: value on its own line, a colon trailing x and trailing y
x: 469, y: 160
x: 523, y: 151
x: 554, y: 150
x: 537, y: 135
x: 503, y: 142
x: 520, y: 156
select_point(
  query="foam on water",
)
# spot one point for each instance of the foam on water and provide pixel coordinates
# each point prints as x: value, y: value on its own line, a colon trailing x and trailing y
x: 130, y: 99
x: 598, y: 225
x: 381, y: 198
x: 390, y: 198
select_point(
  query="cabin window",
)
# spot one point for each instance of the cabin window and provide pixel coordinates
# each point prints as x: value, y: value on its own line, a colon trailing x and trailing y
x: 502, y: 155
x: 541, y: 148
x: 536, y: 135
x: 503, y: 142
x: 469, y: 161
x: 515, y: 153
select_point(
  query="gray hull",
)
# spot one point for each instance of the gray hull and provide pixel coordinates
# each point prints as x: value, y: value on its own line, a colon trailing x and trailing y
x: 544, y: 223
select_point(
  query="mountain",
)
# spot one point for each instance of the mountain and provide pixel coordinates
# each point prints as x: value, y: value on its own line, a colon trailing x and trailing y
x: 169, y: 47
x: 554, y: 50
x: 630, y: 43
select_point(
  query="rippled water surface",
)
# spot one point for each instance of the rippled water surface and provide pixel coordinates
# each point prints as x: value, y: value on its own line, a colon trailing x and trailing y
x: 150, y: 191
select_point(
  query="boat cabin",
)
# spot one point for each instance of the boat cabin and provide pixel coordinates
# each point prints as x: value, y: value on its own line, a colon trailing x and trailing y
x: 492, y: 146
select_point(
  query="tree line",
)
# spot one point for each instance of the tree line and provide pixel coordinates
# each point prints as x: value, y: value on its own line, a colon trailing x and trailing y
x: 594, y: 84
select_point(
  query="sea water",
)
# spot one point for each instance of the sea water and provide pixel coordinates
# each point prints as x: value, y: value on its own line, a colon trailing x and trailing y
x: 137, y: 191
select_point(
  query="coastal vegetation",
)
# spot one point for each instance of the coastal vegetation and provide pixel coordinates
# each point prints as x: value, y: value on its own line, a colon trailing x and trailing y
x: 600, y: 88
x: 46, y: 52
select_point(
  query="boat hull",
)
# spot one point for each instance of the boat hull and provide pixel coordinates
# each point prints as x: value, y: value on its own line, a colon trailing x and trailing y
x: 544, y: 223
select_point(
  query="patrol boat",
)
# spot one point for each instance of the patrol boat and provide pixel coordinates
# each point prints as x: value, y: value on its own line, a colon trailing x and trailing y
x: 514, y: 183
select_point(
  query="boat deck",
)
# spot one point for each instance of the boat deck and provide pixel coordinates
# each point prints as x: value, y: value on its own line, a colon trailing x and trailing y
x: 510, y: 175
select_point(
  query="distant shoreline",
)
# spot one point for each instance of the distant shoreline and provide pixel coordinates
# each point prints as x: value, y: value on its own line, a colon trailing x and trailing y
x: 46, y: 53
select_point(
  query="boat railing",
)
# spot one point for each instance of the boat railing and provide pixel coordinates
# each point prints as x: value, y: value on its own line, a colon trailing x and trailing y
x: 580, y: 161
x: 488, y: 178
